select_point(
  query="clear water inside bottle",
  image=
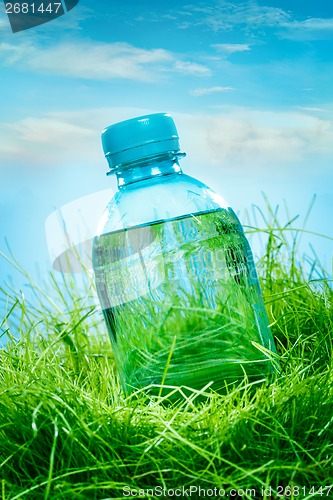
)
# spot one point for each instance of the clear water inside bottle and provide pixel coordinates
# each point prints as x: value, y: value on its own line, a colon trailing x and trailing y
x: 182, y: 302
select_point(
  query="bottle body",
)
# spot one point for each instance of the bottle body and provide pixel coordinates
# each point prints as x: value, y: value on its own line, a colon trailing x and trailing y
x: 178, y: 287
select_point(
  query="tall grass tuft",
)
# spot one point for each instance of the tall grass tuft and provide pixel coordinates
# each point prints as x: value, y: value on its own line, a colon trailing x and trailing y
x: 68, y: 432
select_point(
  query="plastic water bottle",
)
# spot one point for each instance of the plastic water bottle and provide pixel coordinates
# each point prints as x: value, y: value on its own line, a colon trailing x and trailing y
x: 174, y: 272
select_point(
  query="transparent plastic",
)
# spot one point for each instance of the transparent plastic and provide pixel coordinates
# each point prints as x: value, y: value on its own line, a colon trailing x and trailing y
x: 177, y: 282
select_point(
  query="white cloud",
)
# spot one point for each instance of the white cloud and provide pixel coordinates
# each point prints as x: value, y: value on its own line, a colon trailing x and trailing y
x: 224, y: 15
x: 236, y: 139
x: 239, y: 139
x: 4, y: 25
x: 209, y: 90
x: 230, y: 48
x: 59, y: 139
x: 88, y: 60
x: 307, y: 108
x: 310, y: 29
x: 48, y: 130
x: 315, y: 24
x: 99, y: 61
x: 254, y: 19
x: 190, y: 68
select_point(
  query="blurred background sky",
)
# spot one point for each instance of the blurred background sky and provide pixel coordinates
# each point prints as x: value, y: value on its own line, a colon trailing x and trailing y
x: 248, y: 83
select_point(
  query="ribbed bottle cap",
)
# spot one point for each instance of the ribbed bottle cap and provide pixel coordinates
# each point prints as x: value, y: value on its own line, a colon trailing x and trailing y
x: 138, y: 138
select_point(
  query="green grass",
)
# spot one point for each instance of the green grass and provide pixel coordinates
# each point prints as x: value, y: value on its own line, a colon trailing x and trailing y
x: 67, y: 431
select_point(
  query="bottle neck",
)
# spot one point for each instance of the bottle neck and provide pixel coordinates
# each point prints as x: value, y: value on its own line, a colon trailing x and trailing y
x: 147, y: 168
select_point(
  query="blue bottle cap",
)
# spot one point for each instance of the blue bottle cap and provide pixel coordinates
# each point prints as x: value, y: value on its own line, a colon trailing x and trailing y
x: 139, y: 137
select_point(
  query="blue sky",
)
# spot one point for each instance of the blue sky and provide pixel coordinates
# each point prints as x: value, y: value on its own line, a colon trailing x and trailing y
x: 249, y: 84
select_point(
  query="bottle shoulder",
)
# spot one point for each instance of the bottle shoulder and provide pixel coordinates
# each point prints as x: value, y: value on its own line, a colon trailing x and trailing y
x: 159, y: 199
